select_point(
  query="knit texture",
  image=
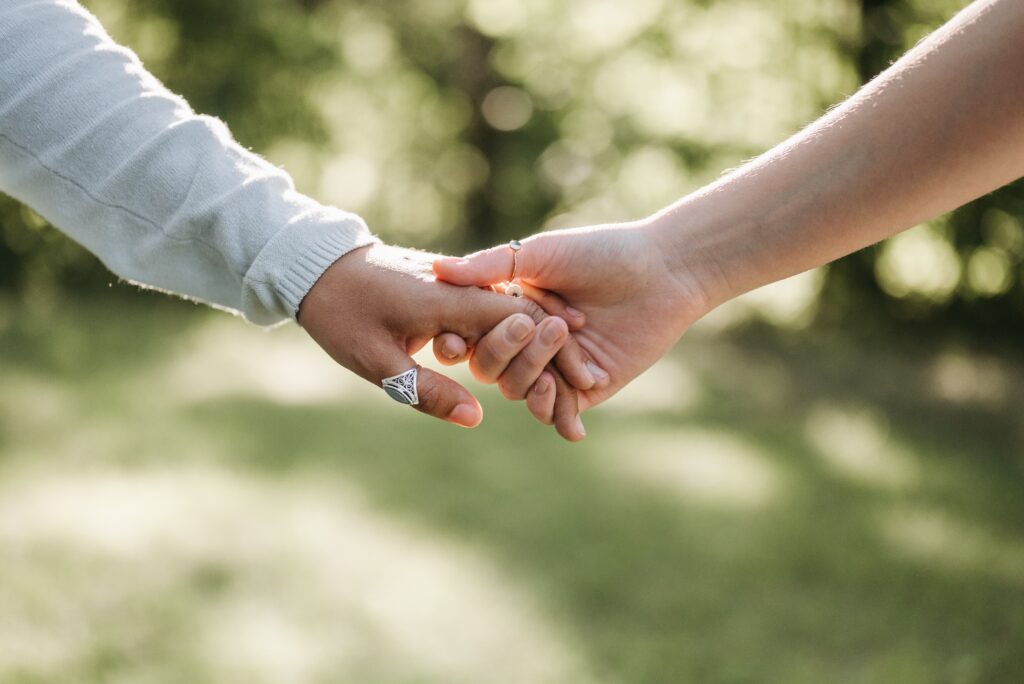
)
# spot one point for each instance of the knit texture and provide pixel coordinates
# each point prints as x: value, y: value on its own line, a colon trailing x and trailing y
x: 164, y: 197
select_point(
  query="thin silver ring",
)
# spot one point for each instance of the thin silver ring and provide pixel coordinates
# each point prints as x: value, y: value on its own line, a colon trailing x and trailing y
x: 402, y: 387
x: 515, y: 246
x: 514, y: 289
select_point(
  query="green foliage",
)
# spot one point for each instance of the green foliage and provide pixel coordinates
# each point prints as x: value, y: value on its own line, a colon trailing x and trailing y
x: 454, y: 124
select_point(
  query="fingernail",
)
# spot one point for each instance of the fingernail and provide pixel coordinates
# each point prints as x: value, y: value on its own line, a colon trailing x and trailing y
x: 552, y: 334
x: 518, y: 330
x: 542, y: 386
x: 579, y: 427
x: 575, y: 313
x: 465, y: 415
x: 449, y: 353
x: 600, y: 375
x: 452, y: 261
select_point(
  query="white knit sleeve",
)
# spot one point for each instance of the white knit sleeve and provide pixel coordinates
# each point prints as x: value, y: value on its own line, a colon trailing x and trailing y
x: 164, y: 197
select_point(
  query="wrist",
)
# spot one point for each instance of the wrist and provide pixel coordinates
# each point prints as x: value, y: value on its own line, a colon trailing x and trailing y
x: 689, y: 242
x: 339, y: 279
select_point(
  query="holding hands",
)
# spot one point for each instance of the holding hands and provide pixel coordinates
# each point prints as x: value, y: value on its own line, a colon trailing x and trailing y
x: 924, y: 137
x: 601, y: 305
x: 378, y: 305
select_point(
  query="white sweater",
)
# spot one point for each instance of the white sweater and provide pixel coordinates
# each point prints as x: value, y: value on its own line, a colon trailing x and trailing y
x: 166, y: 198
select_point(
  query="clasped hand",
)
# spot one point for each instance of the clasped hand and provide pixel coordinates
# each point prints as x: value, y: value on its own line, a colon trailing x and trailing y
x: 376, y: 306
x: 602, y: 305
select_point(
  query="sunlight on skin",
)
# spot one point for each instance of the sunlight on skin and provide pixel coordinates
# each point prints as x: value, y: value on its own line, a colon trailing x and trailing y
x: 856, y: 444
x: 704, y: 467
x: 319, y: 584
x: 935, y: 537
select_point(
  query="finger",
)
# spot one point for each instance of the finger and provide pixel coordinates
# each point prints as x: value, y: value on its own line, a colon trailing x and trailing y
x: 524, y: 369
x: 471, y: 312
x: 566, y: 412
x: 436, y: 394
x: 446, y: 399
x: 540, y: 400
x: 498, y: 348
x: 450, y: 349
x: 579, y: 369
x: 554, y: 305
x: 488, y: 267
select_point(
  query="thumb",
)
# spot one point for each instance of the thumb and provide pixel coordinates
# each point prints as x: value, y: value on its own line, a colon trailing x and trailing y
x: 490, y: 266
x: 427, y: 391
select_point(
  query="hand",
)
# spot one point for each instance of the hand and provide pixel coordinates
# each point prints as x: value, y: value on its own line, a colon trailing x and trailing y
x: 376, y: 306
x: 636, y: 308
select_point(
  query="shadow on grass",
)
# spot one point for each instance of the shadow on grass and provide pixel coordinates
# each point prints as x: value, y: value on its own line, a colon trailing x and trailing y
x: 825, y: 567
x: 660, y: 588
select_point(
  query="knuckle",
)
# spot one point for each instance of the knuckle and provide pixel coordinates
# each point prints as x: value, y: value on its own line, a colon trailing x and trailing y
x: 533, y: 310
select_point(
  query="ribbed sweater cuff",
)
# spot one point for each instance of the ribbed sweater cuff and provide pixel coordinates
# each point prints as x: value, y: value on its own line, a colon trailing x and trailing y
x: 295, y: 258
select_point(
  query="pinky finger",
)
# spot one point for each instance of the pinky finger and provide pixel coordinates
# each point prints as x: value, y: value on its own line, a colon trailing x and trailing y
x: 450, y: 349
x: 540, y: 400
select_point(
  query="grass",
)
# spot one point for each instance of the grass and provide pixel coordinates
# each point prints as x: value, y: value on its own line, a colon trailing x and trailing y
x: 183, y: 497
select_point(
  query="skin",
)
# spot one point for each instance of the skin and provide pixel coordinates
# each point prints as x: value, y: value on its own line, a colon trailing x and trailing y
x: 941, y: 127
x: 376, y: 306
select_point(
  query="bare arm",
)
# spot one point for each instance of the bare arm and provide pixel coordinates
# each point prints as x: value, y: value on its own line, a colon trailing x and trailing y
x: 942, y: 126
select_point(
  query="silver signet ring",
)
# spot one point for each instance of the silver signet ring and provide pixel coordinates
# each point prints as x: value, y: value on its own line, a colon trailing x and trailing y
x: 402, y: 387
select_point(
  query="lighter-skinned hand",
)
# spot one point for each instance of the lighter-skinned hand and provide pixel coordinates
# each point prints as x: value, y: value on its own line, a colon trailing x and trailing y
x: 635, y: 307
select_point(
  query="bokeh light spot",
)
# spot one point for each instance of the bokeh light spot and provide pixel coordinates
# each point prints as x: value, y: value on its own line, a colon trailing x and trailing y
x: 920, y: 262
x: 988, y: 272
x: 507, y: 108
x: 857, y: 444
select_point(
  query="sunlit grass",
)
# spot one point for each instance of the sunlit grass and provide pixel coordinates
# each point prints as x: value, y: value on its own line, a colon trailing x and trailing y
x: 185, y: 498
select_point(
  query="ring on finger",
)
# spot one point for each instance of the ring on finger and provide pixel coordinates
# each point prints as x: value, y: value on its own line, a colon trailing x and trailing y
x: 402, y: 387
x: 514, y: 289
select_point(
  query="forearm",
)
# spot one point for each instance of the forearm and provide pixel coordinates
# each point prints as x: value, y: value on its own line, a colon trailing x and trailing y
x: 941, y: 127
x: 164, y: 197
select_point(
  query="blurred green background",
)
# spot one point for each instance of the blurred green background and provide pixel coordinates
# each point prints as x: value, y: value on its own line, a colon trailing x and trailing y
x: 822, y: 483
